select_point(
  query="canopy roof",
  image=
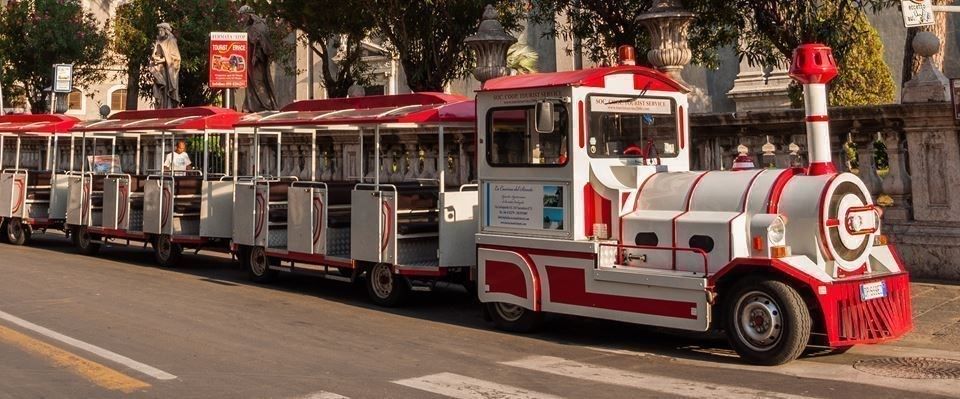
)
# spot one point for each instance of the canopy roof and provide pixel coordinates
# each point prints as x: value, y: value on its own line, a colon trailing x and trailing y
x: 643, y: 78
x: 416, y: 108
x: 37, y: 124
x: 175, y: 119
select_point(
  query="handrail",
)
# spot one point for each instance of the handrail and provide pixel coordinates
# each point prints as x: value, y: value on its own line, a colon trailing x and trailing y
x: 118, y: 175
x: 317, y: 184
x: 375, y: 187
x: 674, y: 250
x: 476, y: 187
x: 16, y: 171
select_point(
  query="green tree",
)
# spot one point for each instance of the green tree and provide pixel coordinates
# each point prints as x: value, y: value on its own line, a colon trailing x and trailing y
x: 35, y: 34
x: 521, y: 59
x: 334, y: 30
x: 428, y: 35
x: 864, y: 77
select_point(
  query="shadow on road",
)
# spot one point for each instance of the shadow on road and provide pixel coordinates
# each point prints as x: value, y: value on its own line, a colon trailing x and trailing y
x: 448, y: 304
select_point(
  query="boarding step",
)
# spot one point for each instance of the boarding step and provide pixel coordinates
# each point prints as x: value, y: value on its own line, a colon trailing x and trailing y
x: 652, y: 277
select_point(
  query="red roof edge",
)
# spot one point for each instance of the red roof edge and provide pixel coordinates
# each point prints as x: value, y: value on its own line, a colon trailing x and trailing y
x: 394, y: 100
x: 34, y: 118
x: 172, y: 113
x: 582, y: 77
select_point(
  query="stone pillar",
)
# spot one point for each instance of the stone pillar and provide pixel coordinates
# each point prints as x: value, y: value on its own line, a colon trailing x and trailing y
x: 896, y: 184
x: 929, y: 84
x: 668, y: 24
x: 936, y: 168
x: 760, y: 88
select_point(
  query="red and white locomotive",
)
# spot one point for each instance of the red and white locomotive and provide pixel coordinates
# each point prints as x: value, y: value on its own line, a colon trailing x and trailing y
x: 588, y: 208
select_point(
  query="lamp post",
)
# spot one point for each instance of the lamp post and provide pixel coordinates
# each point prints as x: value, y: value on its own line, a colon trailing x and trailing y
x: 490, y: 45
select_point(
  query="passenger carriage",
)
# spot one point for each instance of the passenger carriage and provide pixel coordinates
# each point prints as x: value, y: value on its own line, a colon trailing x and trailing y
x: 372, y: 185
x: 122, y: 192
x: 33, y: 190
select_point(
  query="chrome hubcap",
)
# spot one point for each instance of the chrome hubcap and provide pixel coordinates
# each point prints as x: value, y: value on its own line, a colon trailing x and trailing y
x: 509, y: 312
x: 258, y: 262
x: 382, y: 281
x: 760, y: 321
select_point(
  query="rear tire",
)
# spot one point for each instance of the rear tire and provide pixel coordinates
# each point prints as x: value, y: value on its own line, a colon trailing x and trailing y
x: 258, y: 265
x: 384, y: 287
x: 166, y: 252
x: 767, y: 322
x: 83, y: 240
x: 3, y: 227
x: 17, y: 232
x: 514, y: 318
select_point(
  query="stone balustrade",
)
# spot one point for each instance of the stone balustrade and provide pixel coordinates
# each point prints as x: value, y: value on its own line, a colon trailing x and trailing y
x: 917, y: 179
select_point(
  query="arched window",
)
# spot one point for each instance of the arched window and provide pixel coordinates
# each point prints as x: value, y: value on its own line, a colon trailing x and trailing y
x: 75, y: 101
x: 118, y: 100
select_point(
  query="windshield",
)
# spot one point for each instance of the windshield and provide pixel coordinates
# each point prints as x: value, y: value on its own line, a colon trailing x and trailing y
x: 513, y: 141
x: 623, y: 126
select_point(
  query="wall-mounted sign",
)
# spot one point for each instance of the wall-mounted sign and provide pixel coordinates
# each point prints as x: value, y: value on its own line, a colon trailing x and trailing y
x: 526, y: 206
x: 228, y: 60
x: 628, y: 105
x: 62, y: 78
x: 917, y: 12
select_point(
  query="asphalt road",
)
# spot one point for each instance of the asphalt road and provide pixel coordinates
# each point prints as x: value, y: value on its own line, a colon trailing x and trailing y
x: 117, y: 326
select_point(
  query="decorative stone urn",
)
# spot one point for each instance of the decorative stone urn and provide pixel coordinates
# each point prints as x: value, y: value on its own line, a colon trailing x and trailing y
x: 490, y: 45
x: 668, y: 24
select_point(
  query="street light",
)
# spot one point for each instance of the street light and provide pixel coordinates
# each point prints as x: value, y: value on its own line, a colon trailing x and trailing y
x: 490, y: 45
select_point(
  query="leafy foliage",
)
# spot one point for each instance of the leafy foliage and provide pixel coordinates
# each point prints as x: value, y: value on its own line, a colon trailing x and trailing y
x: 35, y: 34
x: 428, y: 35
x: 521, y: 59
x: 864, y: 77
x: 335, y: 31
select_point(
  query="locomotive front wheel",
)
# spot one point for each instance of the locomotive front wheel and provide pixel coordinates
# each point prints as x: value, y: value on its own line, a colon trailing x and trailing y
x: 384, y: 287
x: 166, y: 251
x: 514, y: 318
x: 259, y: 265
x: 17, y: 233
x: 84, y: 241
x: 768, y: 322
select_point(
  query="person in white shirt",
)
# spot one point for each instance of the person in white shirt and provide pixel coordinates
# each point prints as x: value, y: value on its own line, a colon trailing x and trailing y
x: 178, y: 160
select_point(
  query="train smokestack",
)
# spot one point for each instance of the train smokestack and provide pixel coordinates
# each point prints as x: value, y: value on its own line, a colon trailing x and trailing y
x: 813, y: 66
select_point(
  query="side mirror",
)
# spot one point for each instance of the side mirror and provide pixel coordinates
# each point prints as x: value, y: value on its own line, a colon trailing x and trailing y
x: 545, y: 113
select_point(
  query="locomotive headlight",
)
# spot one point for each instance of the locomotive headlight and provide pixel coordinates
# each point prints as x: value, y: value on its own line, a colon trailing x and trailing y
x: 777, y: 231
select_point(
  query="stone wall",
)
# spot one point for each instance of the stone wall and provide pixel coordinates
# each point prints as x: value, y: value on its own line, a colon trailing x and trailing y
x: 920, y: 189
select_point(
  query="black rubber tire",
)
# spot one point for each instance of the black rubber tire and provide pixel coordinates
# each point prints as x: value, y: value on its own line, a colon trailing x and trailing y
x: 82, y: 241
x: 17, y: 233
x: 386, y: 288
x: 790, y: 323
x: 243, y: 257
x: 523, y: 320
x: 258, y: 265
x: 166, y: 258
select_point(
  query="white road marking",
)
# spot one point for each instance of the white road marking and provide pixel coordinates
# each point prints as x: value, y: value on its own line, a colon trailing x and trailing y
x: 96, y: 350
x: 812, y: 369
x: 648, y: 382
x: 324, y: 395
x: 462, y: 387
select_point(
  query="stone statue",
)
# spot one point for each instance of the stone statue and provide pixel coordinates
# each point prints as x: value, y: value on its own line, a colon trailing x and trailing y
x: 165, y: 68
x: 260, y: 49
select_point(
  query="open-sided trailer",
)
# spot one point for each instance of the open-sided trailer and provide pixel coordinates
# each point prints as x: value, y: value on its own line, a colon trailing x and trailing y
x: 33, y: 189
x: 144, y: 202
x: 384, y: 205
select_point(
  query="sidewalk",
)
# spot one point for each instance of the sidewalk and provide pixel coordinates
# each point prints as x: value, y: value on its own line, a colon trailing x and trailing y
x: 936, y: 317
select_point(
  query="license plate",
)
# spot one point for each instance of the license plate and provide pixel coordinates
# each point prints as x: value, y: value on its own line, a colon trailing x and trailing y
x: 873, y: 290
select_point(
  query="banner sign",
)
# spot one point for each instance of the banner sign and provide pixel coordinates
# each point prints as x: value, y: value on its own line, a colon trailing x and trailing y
x: 62, y: 78
x: 525, y: 206
x: 627, y: 105
x: 228, y: 60
x: 917, y: 13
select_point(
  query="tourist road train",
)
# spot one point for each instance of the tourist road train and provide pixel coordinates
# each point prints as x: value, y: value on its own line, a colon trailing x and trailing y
x: 565, y: 192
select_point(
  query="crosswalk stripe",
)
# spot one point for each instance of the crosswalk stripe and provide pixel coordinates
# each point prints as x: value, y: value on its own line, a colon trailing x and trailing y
x: 648, y: 382
x: 462, y: 387
x: 324, y: 395
x: 845, y: 373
